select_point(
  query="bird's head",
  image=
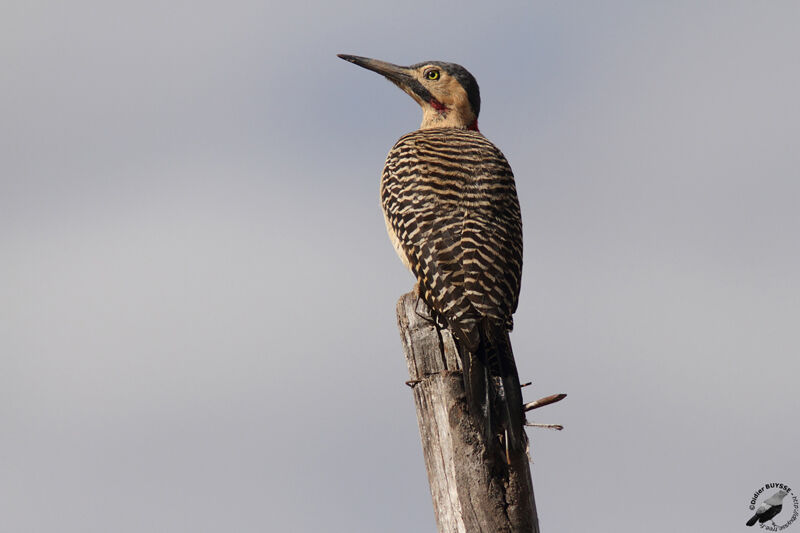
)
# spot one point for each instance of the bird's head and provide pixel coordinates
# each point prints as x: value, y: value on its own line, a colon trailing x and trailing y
x: 447, y: 93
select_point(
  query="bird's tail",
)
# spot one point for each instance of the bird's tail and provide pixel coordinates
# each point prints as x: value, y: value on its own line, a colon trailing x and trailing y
x: 753, y: 520
x: 491, y: 383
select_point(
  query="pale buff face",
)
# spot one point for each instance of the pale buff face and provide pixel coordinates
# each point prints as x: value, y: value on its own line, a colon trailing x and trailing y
x: 451, y: 108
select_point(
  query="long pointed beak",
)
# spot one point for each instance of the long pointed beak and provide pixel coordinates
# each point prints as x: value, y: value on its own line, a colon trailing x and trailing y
x: 403, y: 77
x: 397, y: 74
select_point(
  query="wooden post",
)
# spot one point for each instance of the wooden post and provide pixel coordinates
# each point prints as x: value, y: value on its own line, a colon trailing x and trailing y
x: 473, y: 488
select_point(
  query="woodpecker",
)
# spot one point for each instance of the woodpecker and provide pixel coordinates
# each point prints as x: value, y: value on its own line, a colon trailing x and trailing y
x: 452, y: 213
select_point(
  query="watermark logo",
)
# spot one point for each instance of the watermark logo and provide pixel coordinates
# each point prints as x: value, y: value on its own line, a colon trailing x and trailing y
x: 774, y: 506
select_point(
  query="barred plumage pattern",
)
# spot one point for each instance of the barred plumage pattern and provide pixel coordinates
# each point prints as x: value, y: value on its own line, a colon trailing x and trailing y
x: 452, y: 212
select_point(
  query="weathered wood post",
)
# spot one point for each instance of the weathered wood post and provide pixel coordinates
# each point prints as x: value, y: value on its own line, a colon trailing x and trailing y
x: 473, y: 487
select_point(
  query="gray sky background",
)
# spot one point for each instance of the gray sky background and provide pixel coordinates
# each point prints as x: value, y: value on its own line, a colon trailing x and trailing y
x: 197, y: 327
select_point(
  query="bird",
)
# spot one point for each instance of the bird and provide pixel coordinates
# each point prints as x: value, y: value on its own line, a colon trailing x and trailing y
x: 452, y: 214
x: 769, y: 509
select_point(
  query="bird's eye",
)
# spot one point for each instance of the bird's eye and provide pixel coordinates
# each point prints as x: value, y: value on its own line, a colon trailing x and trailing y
x: 432, y: 74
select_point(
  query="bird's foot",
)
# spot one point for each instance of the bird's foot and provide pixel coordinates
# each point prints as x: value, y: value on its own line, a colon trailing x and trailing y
x: 420, y: 307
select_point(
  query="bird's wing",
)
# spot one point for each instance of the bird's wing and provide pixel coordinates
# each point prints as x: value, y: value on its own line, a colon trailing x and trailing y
x: 420, y: 194
x: 770, y: 513
x: 492, y: 238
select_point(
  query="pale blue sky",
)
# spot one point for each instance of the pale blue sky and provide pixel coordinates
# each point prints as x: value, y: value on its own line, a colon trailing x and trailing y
x: 197, y: 326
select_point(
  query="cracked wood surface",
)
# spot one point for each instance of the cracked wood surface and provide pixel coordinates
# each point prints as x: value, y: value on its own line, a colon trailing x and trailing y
x: 473, y: 488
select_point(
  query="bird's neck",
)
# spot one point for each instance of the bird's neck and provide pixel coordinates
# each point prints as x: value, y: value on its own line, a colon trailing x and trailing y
x: 443, y: 117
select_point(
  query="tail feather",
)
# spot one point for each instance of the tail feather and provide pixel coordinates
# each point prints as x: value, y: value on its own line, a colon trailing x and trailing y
x: 507, y: 393
x: 491, y: 383
x: 753, y: 520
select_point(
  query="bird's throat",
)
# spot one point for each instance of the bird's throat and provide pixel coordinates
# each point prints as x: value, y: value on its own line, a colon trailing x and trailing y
x: 438, y: 106
x: 438, y: 115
